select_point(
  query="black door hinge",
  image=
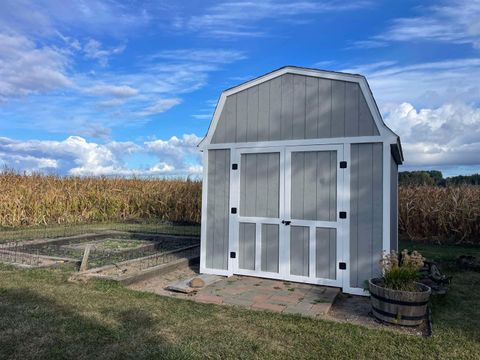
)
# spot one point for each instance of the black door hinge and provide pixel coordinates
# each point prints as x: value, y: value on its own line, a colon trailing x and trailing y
x: 233, y: 254
x: 343, y: 164
x: 233, y: 210
x: 342, y: 266
x: 286, y: 222
x: 234, y: 166
x: 343, y: 214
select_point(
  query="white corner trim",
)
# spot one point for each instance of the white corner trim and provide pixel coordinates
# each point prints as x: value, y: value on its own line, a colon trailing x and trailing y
x: 384, y: 131
x: 386, y: 197
x: 203, y: 222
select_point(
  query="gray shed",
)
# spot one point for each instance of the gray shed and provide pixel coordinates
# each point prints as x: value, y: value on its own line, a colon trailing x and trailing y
x: 299, y: 181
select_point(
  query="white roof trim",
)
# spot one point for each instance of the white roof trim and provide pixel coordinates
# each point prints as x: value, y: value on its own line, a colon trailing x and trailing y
x: 384, y: 130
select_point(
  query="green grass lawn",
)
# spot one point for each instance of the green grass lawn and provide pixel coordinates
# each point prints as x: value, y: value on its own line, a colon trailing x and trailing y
x: 42, y: 316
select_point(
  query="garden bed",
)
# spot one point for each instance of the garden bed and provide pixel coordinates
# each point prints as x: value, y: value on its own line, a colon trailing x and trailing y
x: 107, y: 248
x: 130, y: 271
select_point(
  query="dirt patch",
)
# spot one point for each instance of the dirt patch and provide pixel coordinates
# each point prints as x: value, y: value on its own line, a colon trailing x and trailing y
x: 25, y: 260
x: 357, y: 310
x: 158, y: 284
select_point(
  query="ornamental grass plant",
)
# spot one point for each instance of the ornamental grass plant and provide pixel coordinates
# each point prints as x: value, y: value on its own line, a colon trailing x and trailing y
x: 401, y: 271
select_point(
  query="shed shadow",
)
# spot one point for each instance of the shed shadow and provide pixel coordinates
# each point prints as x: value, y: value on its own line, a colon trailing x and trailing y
x: 34, y: 326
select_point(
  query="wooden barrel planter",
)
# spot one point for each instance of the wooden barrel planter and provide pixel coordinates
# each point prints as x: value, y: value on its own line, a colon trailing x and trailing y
x: 407, y: 308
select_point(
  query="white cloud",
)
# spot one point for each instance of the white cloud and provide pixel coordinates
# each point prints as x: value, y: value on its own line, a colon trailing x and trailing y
x: 26, y: 68
x: 99, y: 102
x: 175, y: 149
x: 202, y: 116
x: 367, y: 44
x: 220, y: 56
x: 73, y: 156
x: 77, y: 156
x: 434, y: 107
x: 45, y: 18
x: 443, y: 136
x: 160, y: 106
x: 119, y: 91
x: 455, y: 22
x: 428, y: 84
x: 93, y: 50
x: 241, y: 18
x: 95, y: 130
x: 105, y: 104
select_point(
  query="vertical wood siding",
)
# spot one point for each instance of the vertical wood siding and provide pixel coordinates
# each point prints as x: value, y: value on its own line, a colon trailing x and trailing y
x: 246, y: 242
x: 217, y: 209
x: 366, y: 203
x: 299, y: 250
x: 295, y: 107
x: 314, y: 185
x: 260, y: 184
x: 270, y: 250
x: 326, y: 253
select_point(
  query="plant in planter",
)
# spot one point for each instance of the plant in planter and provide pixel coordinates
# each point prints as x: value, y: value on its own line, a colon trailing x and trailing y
x: 397, y: 297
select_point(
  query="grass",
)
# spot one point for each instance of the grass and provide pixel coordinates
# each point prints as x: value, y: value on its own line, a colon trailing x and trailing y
x: 119, y: 244
x: 42, y: 316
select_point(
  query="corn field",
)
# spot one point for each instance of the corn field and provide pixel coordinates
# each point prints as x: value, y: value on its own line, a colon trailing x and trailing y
x: 31, y: 200
x: 440, y: 214
x: 430, y: 213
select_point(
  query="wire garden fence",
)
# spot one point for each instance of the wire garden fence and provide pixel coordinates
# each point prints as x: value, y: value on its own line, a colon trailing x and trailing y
x: 112, y: 243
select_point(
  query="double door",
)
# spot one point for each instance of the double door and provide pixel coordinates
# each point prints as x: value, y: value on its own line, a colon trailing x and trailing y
x: 287, y: 222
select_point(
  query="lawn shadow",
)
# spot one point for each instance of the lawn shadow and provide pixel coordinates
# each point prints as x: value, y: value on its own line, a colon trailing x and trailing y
x: 36, y: 327
x: 458, y: 309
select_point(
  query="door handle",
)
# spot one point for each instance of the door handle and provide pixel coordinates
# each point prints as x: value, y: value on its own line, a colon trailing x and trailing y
x: 286, y: 222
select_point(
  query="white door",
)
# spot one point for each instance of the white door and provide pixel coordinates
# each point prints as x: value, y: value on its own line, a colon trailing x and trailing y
x: 258, y: 191
x: 285, y: 203
x: 312, y: 205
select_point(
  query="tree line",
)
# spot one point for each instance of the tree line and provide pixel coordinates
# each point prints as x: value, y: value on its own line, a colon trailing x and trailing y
x: 435, y: 178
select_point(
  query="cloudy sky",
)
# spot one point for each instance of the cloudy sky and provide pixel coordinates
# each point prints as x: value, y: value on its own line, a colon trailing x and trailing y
x: 129, y: 88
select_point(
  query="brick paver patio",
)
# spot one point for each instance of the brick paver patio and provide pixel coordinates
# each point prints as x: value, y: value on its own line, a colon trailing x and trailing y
x: 273, y: 295
x: 250, y: 292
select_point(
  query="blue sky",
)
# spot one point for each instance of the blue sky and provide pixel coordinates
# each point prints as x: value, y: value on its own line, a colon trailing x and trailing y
x: 129, y: 88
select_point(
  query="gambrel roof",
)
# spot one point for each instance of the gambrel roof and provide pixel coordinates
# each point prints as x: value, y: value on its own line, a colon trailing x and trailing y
x: 299, y: 103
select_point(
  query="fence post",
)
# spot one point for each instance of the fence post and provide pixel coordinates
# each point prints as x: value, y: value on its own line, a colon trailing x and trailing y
x: 84, y: 263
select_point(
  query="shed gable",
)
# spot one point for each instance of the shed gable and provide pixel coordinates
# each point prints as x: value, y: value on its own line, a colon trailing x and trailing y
x: 293, y: 106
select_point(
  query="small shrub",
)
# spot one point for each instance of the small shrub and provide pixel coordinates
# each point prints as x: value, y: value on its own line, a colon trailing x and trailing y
x: 401, y: 271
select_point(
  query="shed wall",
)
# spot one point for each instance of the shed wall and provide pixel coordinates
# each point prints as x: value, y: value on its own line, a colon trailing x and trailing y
x: 218, y: 183
x: 295, y: 107
x: 366, y: 203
